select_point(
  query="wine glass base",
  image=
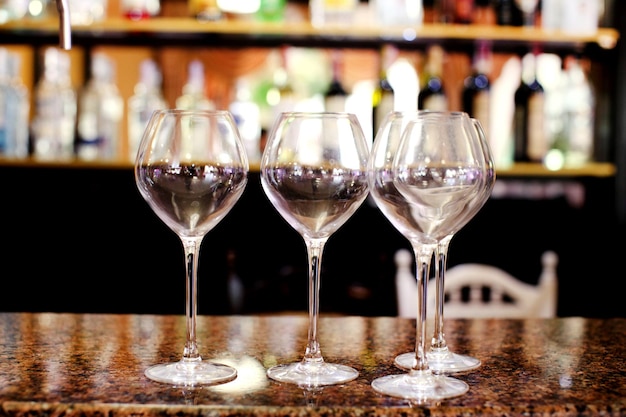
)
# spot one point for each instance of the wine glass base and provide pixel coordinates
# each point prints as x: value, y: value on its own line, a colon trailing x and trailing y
x: 191, y: 373
x: 440, y: 362
x: 312, y: 374
x: 420, y: 386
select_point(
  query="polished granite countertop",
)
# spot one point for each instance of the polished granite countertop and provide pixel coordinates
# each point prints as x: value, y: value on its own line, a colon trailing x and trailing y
x: 91, y: 365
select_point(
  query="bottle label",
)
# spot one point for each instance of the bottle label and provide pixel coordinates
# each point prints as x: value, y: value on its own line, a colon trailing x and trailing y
x: 385, y: 106
x: 537, y: 141
x: 580, y: 17
x: 339, y: 4
x: 332, y: 11
x: 335, y: 104
x: 481, y: 109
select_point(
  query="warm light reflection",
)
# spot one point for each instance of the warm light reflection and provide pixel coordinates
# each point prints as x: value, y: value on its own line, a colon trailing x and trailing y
x: 250, y: 375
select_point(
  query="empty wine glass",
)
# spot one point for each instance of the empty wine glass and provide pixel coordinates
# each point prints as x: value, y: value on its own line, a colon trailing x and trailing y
x: 423, y: 177
x: 313, y: 170
x: 440, y: 357
x: 191, y: 168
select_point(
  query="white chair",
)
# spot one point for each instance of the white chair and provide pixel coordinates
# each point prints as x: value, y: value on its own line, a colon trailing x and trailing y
x: 480, y: 291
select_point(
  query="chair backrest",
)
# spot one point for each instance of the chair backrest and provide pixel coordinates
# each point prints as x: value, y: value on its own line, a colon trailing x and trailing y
x: 481, y: 291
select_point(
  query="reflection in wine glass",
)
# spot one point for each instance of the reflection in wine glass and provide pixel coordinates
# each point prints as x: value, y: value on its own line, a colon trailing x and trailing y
x: 423, y: 174
x: 313, y: 170
x: 440, y: 357
x: 191, y: 169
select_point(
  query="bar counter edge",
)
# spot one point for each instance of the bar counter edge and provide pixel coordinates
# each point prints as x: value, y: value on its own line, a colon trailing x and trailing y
x: 91, y: 365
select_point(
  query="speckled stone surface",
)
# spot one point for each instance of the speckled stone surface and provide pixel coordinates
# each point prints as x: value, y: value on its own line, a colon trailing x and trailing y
x: 92, y: 366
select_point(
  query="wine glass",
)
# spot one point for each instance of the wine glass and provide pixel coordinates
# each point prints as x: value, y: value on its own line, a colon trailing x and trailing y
x: 440, y: 357
x: 191, y: 168
x: 313, y: 170
x: 423, y: 173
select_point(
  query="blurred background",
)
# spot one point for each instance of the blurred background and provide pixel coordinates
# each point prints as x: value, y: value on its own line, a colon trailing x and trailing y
x: 80, y: 238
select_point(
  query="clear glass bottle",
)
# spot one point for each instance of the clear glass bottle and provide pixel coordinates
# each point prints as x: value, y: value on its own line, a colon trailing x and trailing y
x: 12, y: 10
x: 579, y: 103
x: 147, y: 97
x: 5, y: 102
x: 193, y: 95
x: 281, y: 96
x: 86, y: 12
x: 100, y: 111
x: 247, y: 115
x: 332, y: 12
x: 54, y: 121
x: 398, y: 12
x: 14, y: 107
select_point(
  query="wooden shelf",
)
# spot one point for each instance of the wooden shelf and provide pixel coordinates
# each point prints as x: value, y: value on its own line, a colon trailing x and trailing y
x: 594, y: 169
x: 65, y: 164
x: 188, y: 32
x: 181, y: 31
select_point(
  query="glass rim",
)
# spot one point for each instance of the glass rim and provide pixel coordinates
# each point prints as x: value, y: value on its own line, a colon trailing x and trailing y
x: 454, y: 113
x: 217, y: 112
x: 316, y: 113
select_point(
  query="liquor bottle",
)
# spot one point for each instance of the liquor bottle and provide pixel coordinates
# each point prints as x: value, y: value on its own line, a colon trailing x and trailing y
x: 464, y: 11
x: 87, y: 12
x: 579, y: 105
x: 281, y: 96
x: 54, y: 120
x: 100, y: 111
x: 14, y: 107
x: 432, y: 95
x: 271, y: 10
x: 335, y: 96
x: 476, y: 95
x: 239, y: 7
x: 444, y: 11
x: 332, y: 12
x: 529, y: 133
x: 551, y: 14
x: 204, y: 10
x: 507, y: 13
x: 383, y: 100
x: 247, y: 115
x: 398, y: 12
x: 580, y: 17
x: 140, y: 9
x: 193, y: 96
x: 147, y: 97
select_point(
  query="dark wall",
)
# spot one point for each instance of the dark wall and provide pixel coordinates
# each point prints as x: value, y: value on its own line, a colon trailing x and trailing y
x: 83, y: 240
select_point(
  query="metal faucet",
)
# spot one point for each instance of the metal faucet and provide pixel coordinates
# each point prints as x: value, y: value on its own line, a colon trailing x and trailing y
x: 65, y: 32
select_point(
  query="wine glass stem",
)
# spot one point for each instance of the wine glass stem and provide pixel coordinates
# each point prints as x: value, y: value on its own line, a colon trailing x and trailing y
x: 191, y: 247
x: 441, y: 259
x: 423, y: 255
x: 315, y: 248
